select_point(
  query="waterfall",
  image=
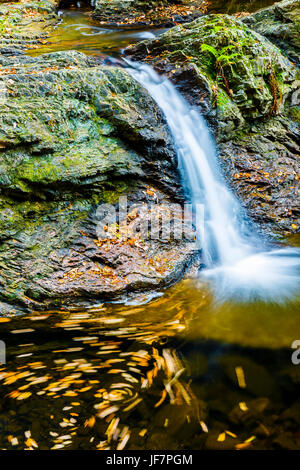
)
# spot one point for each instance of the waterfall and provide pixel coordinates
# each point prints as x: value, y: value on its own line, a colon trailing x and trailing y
x: 237, y: 265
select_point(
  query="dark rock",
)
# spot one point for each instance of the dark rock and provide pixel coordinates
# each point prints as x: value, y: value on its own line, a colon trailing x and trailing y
x: 293, y: 372
x: 25, y: 24
x: 221, y: 399
x: 287, y: 441
x: 259, y: 381
x: 292, y: 413
x: 228, y: 443
x: 160, y: 441
x: 227, y: 53
x: 176, y: 416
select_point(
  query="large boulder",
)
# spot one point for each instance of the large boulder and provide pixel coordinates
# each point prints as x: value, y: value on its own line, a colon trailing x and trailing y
x: 75, y: 135
x: 280, y: 24
x: 245, y: 87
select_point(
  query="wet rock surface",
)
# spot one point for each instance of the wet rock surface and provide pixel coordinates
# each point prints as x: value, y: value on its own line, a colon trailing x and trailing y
x: 26, y: 24
x: 245, y: 87
x: 75, y: 135
x: 152, y: 13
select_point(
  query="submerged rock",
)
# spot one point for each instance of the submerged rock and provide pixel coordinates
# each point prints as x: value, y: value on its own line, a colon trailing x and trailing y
x: 245, y: 87
x: 74, y: 136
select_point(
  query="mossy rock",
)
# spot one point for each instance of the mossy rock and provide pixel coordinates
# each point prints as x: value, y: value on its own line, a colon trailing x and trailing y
x: 24, y: 23
x: 74, y: 136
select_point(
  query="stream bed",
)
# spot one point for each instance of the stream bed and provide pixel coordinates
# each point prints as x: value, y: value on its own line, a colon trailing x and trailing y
x: 178, y: 371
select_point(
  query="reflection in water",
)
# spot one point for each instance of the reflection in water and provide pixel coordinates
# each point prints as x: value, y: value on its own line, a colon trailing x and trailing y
x: 214, y: 376
x: 81, y: 379
x: 76, y: 30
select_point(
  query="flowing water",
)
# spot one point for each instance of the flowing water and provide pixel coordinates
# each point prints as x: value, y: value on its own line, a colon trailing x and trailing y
x: 236, y: 264
x: 180, y: 371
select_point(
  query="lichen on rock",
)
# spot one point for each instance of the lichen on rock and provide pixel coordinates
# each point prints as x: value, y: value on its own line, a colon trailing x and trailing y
x: 229, y: 56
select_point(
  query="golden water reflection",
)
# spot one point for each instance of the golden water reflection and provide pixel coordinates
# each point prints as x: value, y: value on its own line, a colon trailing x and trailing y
x: 117, y: 376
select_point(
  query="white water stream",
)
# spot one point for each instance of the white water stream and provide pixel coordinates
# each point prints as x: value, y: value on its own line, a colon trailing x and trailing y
x: 237, y: 265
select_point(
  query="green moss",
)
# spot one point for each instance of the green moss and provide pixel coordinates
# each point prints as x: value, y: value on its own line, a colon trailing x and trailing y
x: 295, y: 113
x: 73, y: 135
x: 223, y: 101
x: 231, y: 56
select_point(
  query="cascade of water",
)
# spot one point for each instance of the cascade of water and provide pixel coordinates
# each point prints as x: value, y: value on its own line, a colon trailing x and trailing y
x: 235, y: 265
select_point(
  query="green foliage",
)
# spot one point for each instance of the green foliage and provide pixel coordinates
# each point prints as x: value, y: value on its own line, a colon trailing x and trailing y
x: 221, y: 57
x: 221, y: 99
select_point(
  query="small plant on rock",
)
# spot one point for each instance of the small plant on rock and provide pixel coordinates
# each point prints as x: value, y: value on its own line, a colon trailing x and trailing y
x: 218, y: 60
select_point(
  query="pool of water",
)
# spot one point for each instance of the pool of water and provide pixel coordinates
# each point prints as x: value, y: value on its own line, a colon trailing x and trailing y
x: 180, y: 371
